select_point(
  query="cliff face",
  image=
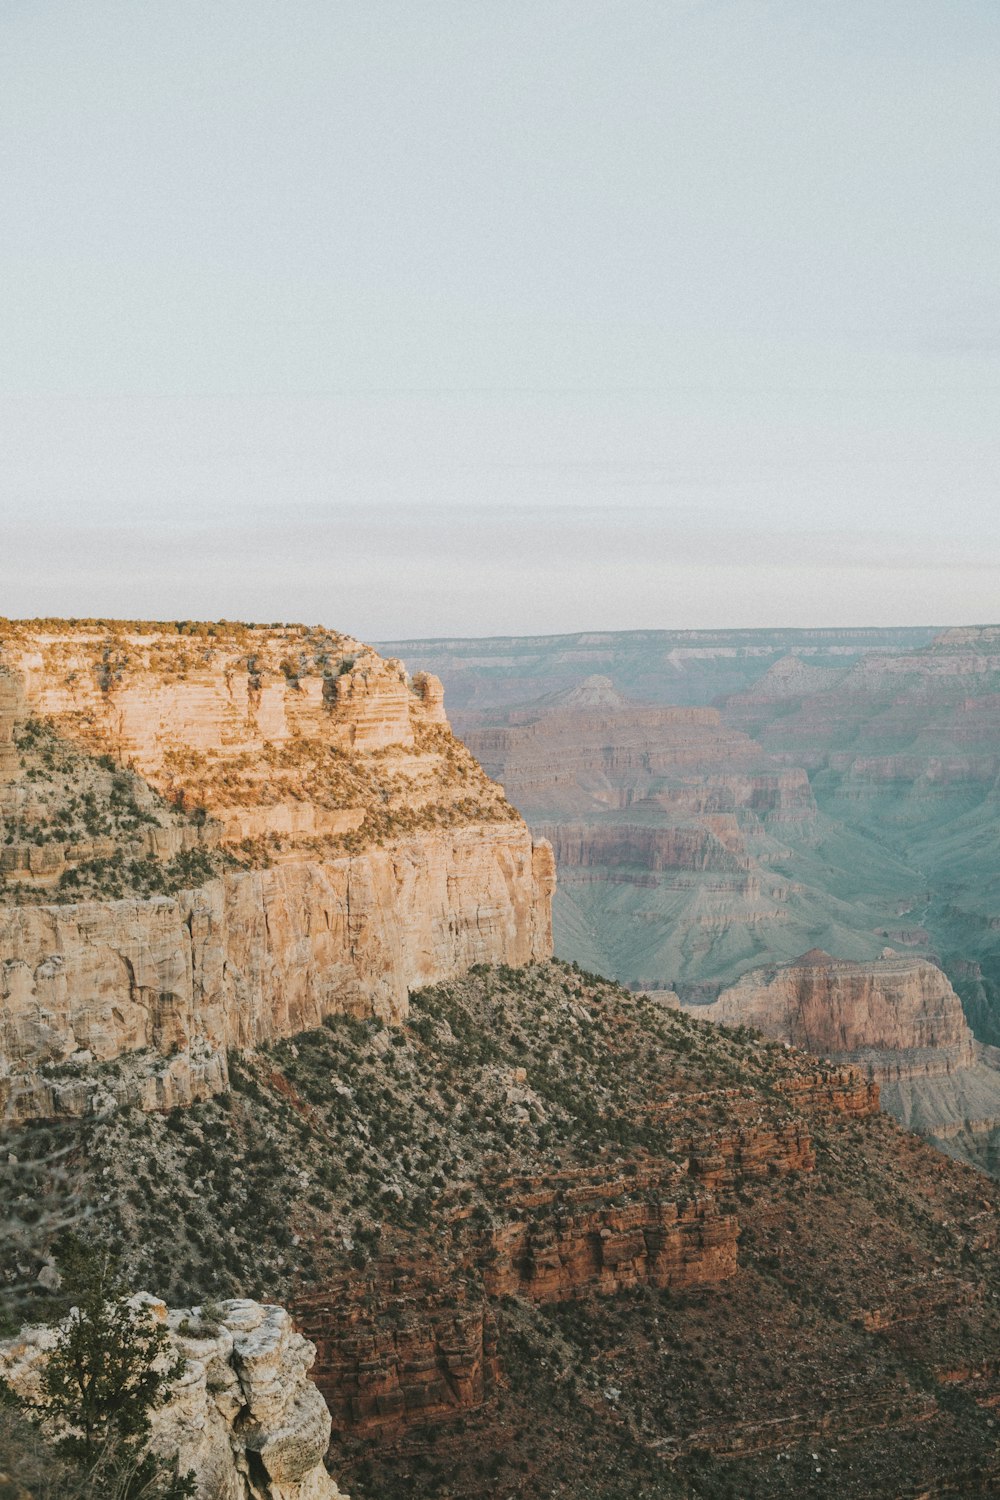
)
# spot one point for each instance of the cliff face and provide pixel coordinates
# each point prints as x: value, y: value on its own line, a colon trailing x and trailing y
x: 898, y: 1016
x: 901, y: 1021
x: 270, y: 828
x: 243, y: 1417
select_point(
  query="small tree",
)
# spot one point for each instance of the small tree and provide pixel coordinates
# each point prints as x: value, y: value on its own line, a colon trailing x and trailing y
x: 109, y: 1371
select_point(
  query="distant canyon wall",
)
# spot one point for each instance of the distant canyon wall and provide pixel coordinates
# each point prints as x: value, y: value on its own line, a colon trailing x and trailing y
x: 900, y: 1020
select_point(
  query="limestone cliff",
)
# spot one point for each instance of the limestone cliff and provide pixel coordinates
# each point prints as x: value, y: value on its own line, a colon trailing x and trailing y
x: 268, y: 826
x: 243, y: 1417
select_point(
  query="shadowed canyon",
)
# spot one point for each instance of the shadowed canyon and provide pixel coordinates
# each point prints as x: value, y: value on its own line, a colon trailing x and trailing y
x: 774, y: 793
x: 281, y: 1023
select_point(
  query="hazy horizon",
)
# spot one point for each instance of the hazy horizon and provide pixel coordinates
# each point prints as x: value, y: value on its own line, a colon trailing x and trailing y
x: 430, y: 320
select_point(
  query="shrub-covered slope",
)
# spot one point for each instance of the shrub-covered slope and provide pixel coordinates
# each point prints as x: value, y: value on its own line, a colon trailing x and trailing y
x: 547, y: 1235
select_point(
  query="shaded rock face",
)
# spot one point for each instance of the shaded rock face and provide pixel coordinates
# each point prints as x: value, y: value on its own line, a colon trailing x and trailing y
x: 576, y: 753
x: 905, y: 747
x: 898, y: 1016
x: 901, y: 1021
x: 360, y: 853
x: 244, y: 1417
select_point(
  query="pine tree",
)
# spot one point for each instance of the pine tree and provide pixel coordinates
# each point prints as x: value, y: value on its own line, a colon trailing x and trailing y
x: 108, y: 1372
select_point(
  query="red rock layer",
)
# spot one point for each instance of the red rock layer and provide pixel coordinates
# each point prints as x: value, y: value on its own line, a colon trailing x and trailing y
x: 403, y: 1345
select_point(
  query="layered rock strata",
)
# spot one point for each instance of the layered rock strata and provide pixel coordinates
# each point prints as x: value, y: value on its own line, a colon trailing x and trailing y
x: 353, y: 850
x: 402, y: 1346
x: 243, y: 1417
x: 897, y: 1018
x: 684, y: 849
x: 11, y: 713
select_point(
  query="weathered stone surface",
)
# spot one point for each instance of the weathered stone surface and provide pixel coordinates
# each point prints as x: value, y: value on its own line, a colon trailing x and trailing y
x: 11, y: 709
x: 573, y: 1239
x: 400, y: 1347
x: 408, y: 1343
x: 901, y: 1022
x: 243, y: 1416
x: 896, y: 1016
x: 299, y: 739
x: 256, y: 955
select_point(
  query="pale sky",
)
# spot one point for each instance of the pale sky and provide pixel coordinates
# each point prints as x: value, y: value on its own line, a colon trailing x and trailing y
x: 484, y: 316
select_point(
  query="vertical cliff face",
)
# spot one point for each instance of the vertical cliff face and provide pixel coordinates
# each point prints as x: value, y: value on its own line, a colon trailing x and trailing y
x: 899, y: 1018
x: 217, y: 839
x: 898, y: 1015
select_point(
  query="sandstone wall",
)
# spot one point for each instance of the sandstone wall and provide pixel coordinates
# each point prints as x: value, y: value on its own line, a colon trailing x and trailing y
x: 898, y: 1016
x: 362, y: 852
x: 253, y: 956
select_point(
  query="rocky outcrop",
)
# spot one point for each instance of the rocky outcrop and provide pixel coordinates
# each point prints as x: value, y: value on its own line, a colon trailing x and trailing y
x: 400, y: 1348
x: 292, y: 734
x: 583, y: 751
x: 898, y: 1019
x: 360, y: 853
x: 896, y: 1016
x: 572, y: 1236
x: 243, y: 1417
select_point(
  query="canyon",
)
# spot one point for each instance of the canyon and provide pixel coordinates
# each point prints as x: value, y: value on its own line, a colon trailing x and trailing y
x: 281, y: 1025
x: 841, y: 798
x: 686, y: 851
x: 685, y: 667
x: 542, y: 1216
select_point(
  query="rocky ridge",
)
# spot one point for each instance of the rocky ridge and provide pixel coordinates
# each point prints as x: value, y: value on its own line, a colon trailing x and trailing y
x: 685, y: 667
x: 149, y: 761
x: 899, y: 1019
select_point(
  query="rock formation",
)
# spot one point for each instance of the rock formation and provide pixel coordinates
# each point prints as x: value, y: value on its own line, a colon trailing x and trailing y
x: 330, y: 846
x: 896, y: 1016
x: 845, y: 797
x: 684, y: 850
x: 547, y: 1217
x: 899, y: 1019
x: 243, y: 1417
x: 655, y: 666
x: 11, y: 711
x: 903, y: 748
